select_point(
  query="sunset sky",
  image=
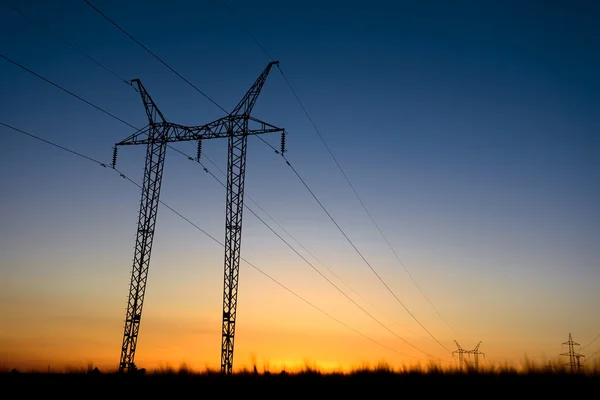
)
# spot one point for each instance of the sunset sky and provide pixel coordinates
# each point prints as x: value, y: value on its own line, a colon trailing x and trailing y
x: 469, y: 131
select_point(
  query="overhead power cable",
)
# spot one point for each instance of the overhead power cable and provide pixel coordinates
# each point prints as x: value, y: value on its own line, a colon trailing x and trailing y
x: 66, y: 91
x: 363, y: 257
x: 319, y: 272
x: 337, y: 164
x: 57, y: 37
x: 246, y: 196
x: 594, y: 354
x: 247, y: 30
x: 596, y: 338
x: 154, y: 55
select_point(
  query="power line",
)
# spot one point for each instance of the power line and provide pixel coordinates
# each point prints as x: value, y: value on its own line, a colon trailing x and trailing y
x: 274, y: 221
x: 74, y: 95
x: 339, y: 166
x: 66, y: 91
x: 316, y: 269
x: 207, y: 234
x: 119, y: 77
x: 369, y: 214
x: 317, y: 259
x: 596, y: 338
x: 247, y: 30
x: 337, y: 163
x: 154, y: 55
x: 363, y: 257
x: 54, y: 144
x: 340, y: 290
x: 588, y: 358
x: 360, y: 199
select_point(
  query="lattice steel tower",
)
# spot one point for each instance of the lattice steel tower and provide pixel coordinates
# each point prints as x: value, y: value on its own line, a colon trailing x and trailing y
x: 236, y: 127
x: 461, y: 360
x: 461, y: 353
x: 574, y: 357
x: 476, y: 354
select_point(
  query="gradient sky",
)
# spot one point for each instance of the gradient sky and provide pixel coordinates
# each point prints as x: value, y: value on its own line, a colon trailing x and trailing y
x: 469, y: 129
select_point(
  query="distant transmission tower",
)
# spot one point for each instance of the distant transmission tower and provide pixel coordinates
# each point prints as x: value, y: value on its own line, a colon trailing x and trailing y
x: 461, y: 353
x: 574, y: 357
x: 476, y: 354
x: 461, y: 360
x: 236, y: 127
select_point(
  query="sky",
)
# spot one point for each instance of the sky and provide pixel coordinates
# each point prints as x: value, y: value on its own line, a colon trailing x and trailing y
x: 442, y: 187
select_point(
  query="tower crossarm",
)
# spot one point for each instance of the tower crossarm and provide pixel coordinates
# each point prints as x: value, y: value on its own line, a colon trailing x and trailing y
x: 220, y: 128
x: 232, y: 125
x: 477, y: 352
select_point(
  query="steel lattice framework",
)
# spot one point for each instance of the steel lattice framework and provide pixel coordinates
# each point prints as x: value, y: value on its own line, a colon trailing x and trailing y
x: 574, y: 357
x: 461, y: 352
x: 236, y: 127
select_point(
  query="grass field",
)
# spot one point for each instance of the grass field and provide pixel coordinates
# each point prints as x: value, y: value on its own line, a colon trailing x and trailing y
x: 543, y: 379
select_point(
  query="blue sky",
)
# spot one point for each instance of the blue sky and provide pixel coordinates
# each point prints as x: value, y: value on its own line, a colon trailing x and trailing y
x: 469, y: 130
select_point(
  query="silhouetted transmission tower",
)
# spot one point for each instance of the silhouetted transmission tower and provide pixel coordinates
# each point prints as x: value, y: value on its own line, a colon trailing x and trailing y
x: 461, y: 352
x: 574, y: 357
x: 476, y: 354
x: 236, y: 127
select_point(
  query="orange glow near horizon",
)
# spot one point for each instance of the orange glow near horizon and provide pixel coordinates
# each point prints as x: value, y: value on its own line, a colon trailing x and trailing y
x: 63, y: 328
x: 70, y: 344
x: 43, y: 331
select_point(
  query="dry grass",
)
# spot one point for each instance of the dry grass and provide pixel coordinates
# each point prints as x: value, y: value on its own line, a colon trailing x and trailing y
x: 311, y: 369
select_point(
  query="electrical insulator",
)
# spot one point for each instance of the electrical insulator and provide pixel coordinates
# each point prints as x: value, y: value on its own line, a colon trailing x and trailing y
x: 114, y: 160
x: 282, y: 142
x: 199, y: 150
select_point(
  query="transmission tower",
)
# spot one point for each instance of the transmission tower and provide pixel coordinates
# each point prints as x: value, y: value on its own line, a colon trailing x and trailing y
x: 574, y: 357
x: 476, y: 354
x: 236, y: 127
x: 461, y: 352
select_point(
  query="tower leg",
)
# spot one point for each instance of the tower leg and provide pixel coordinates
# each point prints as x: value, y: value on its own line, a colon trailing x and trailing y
x: 153, y: 171
x: 571, y: 353
x: 236, y: 167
